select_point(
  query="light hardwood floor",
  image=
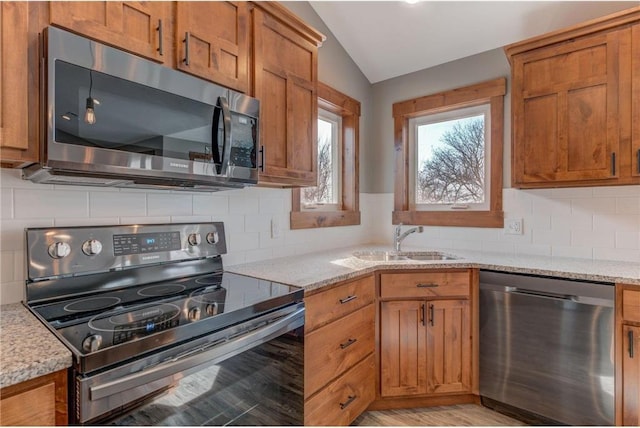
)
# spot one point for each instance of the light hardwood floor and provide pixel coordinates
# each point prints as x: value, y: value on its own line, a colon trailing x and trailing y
x: 457, y: 415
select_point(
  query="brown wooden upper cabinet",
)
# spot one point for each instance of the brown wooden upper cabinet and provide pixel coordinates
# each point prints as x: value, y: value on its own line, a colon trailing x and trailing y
x: 635, y: 97
x: 212, y: 41
x: 137, y: 27
x: 285, y: 76
x: 18, y: 86
x: 572, y: 105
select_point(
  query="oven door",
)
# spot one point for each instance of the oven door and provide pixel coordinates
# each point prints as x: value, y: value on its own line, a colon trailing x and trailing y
x: 248, y: 374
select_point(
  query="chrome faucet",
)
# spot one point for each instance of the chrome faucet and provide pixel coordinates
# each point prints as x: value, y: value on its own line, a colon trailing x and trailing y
x: 398, y: 237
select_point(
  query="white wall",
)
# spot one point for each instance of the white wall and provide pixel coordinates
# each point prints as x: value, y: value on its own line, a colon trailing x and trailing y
x: 601, y: 223
x: 246, y: 213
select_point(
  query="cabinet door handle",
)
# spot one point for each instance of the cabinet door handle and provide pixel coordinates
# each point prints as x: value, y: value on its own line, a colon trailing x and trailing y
x: 638, y: 161
x: 423, y: 314
x: 630, y: 335
x: 348, y: 343
x: 350, y: 400
x: 348, y: 299
x: 431, y: 317
x: 186, y: 48
x: 160, y: 38
x: 427, y: 285
x: 613, y: 163
x: 261, y: 158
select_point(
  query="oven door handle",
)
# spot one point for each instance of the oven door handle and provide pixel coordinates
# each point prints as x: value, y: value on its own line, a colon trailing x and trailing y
x: 208, y: 355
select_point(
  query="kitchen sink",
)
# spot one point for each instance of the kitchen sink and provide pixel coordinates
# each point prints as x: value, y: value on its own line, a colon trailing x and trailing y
x: 387, y: 256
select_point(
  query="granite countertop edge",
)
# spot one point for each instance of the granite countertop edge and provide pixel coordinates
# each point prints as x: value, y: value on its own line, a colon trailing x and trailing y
x: 317, y: 270
x: 22, y: 360
x: 43, y: 353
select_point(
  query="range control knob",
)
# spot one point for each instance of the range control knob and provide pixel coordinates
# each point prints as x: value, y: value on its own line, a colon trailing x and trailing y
x: 212, y: 308
x: 59, y: 250
x: 92, y: 247
x: 194, y: 314
x: 92, y: 343
x: 213, y: 237
x: 194, y: 239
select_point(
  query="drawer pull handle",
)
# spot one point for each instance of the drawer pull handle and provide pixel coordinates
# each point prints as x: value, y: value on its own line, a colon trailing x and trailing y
x: 630, y: 335
x: 348, y: 299
x: 427, y: 285
x: 348, y: 343
x: 350, y: 400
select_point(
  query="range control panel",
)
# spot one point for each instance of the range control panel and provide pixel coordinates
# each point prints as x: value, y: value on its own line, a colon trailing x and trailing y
x: 59, y: 252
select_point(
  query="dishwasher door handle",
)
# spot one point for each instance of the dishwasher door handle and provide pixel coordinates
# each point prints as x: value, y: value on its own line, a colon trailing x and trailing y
x: 543, y: 294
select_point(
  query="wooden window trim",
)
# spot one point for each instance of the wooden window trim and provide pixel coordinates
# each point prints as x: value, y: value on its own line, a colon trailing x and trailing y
x: 492, y: 93
x: 349, y: 214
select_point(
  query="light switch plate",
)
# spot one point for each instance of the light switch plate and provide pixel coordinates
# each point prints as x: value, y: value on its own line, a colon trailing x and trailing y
x: 513, y: 226
x: 275, y: 228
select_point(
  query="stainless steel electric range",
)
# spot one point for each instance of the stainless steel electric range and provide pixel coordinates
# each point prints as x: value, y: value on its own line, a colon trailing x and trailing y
x: 143, y: 306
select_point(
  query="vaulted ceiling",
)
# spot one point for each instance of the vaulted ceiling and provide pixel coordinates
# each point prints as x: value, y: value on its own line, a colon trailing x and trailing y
x: 387, y: 39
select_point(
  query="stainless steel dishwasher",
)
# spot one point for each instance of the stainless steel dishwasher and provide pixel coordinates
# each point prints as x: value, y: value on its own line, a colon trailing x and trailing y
x: 546, y: 347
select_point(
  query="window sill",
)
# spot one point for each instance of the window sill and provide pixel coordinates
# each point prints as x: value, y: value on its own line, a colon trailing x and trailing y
x: 315, y: 219
x: 493, y: 219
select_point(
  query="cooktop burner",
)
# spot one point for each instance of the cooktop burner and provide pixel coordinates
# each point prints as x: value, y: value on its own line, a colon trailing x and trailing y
x: 214, y: 279
x: 209, y: 295
x: 161, y: 290
x: 92, y: 304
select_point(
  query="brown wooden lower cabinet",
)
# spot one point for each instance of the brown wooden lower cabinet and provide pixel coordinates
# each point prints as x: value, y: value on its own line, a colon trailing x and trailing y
x: 339, y: 361
x: 40, y: 401
x: 628, y: 355
x: 344, y: 399
x: 427, y: 341
x: 425, y: 347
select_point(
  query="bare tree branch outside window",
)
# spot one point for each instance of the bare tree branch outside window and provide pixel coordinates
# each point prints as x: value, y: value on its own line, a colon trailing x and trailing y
x: 323, y: 192
x: 454, y: 173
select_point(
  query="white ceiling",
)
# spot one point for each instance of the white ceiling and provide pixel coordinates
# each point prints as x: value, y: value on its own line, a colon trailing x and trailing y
x: 387, y: 39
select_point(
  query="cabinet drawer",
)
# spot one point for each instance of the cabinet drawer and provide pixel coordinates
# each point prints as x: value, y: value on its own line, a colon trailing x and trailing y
x: 326, y: 306
x: 336, y: 347
x: 631, y: 305
x: 419, y: 285
x: 345, y: 398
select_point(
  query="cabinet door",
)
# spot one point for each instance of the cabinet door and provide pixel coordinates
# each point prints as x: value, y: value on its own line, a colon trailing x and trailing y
x: 631, y: 375
x: 212, y: 41
x: 449, y: 346
x: 285, y: 80
x: 635, y: 100
x: 137, y: 27
x: 16, y: 79
x: 403, y: 357
x: 566, y: 111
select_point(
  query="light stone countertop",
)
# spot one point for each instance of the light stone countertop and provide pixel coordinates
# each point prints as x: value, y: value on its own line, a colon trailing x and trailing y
x: 27, y: 348
x: 316, y: 270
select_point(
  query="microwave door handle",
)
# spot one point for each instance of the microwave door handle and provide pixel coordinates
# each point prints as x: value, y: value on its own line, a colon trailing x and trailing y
x: 223, y: 104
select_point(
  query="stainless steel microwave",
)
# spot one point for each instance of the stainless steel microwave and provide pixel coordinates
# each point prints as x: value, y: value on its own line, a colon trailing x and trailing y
x: 114, y: 119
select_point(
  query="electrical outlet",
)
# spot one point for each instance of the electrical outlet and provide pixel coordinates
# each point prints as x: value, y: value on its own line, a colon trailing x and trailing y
x: 513, y: 226
x: 275, y: 228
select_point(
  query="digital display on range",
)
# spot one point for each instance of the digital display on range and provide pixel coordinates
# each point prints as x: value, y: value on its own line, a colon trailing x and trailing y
x: 144, y: 243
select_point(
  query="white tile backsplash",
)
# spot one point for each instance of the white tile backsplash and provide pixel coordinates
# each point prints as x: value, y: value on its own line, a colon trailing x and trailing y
x: 246, y: 213
x: 599, y: 223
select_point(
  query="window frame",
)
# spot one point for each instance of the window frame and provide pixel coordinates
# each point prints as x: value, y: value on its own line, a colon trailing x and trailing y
x: 347, y: 213
x: 448, y: 115
x: 492, y: 93
x: 336, y: 127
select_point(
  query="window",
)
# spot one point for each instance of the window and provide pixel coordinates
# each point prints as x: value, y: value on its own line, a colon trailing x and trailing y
x: 326, y: 195
x: 334, y: 201
x: 449, y: 157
